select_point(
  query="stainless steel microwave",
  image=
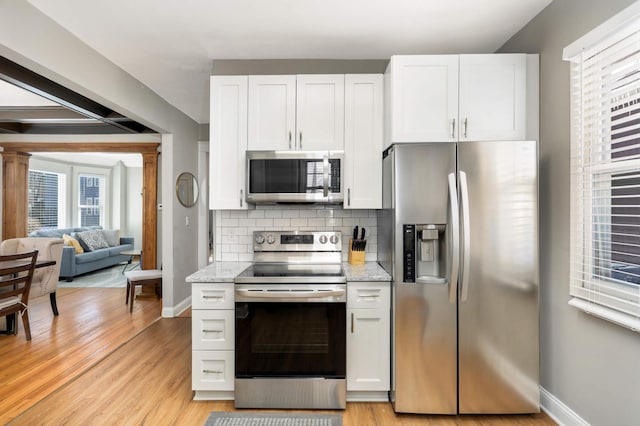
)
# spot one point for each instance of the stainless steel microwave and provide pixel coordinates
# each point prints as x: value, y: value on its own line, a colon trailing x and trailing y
x: 295, y: 176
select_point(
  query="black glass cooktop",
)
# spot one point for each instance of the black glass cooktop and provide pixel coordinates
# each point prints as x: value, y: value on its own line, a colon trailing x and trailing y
x: 274, y: 272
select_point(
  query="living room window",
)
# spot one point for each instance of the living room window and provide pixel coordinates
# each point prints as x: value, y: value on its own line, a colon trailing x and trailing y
x: 91, y: 199
x: 605, y: 171
x: 46, y: 199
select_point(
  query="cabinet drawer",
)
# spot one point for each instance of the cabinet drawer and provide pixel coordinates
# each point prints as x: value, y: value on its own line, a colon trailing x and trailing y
x: 212, y: 296
x: 368, y: 295
x: 212, y: 370
x: 213, y: 329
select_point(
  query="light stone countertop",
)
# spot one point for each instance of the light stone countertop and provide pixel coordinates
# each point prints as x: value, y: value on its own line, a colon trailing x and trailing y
x: 227, y: 271
x: 217, y: 272
x: 370, y: 271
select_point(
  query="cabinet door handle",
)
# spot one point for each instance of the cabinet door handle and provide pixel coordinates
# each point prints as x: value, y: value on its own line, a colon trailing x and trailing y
x: 211, y: 331
x: 348, y: 196
x: 289, y: 139
x: 211, y: 297
x: 212, y: 371
x: 241, y: 197
x: 352, y: 326
x: 300, y: 140
x: 464, y: 127
x: 453, y: 128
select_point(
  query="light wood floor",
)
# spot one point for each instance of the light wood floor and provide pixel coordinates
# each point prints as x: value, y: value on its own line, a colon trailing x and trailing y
x: 126, y: 371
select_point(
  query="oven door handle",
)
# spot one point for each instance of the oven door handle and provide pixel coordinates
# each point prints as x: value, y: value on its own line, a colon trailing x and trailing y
x: 290, y: 294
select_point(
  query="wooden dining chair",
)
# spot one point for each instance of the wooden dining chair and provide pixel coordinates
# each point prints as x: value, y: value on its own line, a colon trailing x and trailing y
x: 16, y: 274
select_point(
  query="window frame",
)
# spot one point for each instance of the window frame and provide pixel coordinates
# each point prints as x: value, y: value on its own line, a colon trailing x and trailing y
x: 610, y: 298
x: 100, y: 178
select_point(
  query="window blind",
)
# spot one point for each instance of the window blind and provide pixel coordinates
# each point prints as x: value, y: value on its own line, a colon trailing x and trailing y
x: 45, y: 200
x: 605, y: 177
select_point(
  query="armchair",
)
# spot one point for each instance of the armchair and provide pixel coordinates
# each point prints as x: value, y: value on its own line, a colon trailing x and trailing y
x: 45, y: 280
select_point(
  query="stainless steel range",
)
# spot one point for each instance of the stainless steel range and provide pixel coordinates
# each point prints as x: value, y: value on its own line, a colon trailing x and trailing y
x: 290, y: 327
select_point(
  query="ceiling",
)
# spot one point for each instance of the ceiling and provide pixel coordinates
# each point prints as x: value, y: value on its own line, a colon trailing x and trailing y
x: 171, y: 46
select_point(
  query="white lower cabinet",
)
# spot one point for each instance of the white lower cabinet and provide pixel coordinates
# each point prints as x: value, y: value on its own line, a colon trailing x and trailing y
x: 212, y: 340
x: 212, y: 370
x: 368, y: 341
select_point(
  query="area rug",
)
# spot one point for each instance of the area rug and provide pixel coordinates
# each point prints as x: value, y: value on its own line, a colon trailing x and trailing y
x: 272, y: 419
x: 108, y: 277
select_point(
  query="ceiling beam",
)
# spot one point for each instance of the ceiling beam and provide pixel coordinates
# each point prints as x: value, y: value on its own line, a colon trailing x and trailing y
x: 10, y: 128
x: 135, y: 147
x: 49, y: 89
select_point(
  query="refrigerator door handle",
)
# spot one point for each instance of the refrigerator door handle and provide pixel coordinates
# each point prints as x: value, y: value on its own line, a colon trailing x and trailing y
x: 455, y: 238
x: 466, y: 236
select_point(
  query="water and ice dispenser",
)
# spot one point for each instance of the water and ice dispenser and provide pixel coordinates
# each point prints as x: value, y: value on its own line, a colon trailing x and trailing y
x: 424, y: 254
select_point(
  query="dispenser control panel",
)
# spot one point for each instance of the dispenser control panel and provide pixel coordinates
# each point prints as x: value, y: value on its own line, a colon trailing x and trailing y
x: 409, y: 253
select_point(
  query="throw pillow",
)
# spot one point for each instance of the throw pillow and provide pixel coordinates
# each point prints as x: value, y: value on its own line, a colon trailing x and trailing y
x: 93, y: 239
x: 72, y: 242
x: 82, y: 243
x: 112, y: 237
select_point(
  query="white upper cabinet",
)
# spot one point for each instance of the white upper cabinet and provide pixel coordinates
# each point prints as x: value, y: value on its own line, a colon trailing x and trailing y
x: 320, y: 112
x: 303, y: 112
x: 227, y: 142
x: 272, y: 112
x: 363, y: 141
x: 493, y: 97
x: 441, y: 98
x: 422, y: 94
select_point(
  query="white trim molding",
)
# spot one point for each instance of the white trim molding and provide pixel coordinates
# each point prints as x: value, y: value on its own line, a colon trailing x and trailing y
x: 174, y: 311
x: 559, y: 411
x: 602, y: 31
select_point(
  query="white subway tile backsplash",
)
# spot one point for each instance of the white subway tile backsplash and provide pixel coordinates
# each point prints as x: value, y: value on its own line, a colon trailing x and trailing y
x: 247, y: 222
x: 264, y: 222
x: 229, y: 222
x: 230, y: 257
x: 290, y: 214
x: 230, y: 239
x: 234, y: 229
x: 273, y: 213
x: 315, y: 222
x: 309, y: 213
x: 255, y: 214
x: 332, y: 221
x: 282, y: 223
x: 299, y: 223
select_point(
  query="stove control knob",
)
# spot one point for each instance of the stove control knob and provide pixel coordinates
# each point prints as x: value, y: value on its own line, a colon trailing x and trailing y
x: 323, y: 239
x: 271, y: 239
x: 259, y: 239
x: 334, y: 239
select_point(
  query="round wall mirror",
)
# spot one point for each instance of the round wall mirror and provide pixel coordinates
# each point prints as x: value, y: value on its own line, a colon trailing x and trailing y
x: 187, y: 189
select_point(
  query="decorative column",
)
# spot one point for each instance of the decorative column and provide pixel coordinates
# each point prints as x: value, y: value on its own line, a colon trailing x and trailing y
x: 15, y: 198
x: 149, y: 213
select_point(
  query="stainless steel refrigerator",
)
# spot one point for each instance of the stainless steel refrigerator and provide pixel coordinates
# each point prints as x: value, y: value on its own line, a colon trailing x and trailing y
x: 458, y: 232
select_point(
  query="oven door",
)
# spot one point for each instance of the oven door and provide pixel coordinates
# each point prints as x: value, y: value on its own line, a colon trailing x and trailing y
x: 290, y: 333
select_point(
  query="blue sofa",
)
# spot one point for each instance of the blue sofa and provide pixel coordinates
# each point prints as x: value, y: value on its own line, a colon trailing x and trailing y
x: 73, y: 264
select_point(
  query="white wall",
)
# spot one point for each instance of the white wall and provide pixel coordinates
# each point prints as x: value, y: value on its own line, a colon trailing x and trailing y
x: 587, y: 363
x: 133, y: 212
x: 34, y: 41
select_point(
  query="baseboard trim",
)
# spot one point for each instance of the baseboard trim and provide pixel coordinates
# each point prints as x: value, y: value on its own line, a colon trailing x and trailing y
x: 559, y: 411
x: 174, y: 311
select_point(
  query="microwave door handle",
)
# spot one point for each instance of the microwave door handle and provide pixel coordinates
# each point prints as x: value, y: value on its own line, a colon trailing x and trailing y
x: 325, y: 173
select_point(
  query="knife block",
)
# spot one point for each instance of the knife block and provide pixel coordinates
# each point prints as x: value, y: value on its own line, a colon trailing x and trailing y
x: 355, y: 257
